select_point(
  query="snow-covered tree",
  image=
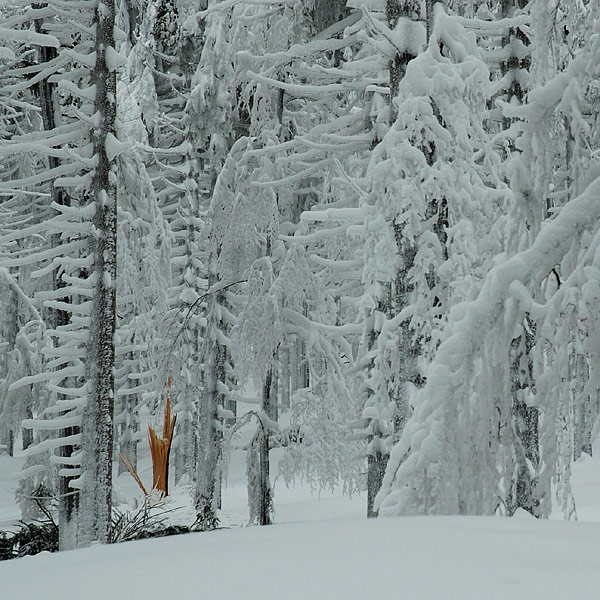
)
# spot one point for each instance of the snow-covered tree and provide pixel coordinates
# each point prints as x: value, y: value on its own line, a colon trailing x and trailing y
x: 436, y: 467
x: 80, y: 366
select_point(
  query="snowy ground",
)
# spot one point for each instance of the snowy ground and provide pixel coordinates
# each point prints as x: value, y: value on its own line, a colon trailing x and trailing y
x: 341, y: 558
x: 324, y: 548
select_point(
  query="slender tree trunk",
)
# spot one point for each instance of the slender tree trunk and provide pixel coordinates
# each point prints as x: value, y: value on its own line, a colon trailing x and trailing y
x: 395, y: 10
x: 285, y: 387
x: 129, y: 426
x: 97, y: 424
x: 583, y: 408
x: 10, y: 446
x: 208, y: 482
x: 27, y: 433
x: 429, y: 16
x: 376, y: 464
x: 297, y: 375
x: 265, y: 496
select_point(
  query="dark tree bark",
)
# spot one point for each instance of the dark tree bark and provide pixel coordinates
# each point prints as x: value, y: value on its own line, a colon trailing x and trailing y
x: 264, y: 493
x: 97, y: 425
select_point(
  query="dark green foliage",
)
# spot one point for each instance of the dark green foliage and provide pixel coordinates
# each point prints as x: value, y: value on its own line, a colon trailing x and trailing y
x: 142, y: 524
x: 5, y: 546
x: 31, y: 538
x: 147, y: 522
x: 166, y: 28
x: 164, y: 531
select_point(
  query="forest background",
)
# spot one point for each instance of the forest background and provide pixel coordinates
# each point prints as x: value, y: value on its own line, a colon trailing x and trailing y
x: 382, y: 216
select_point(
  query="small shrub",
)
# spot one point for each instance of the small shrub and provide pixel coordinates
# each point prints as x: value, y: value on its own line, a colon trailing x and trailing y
x: 142, y: 524
x: 33, y: 538
x: 30, y: 539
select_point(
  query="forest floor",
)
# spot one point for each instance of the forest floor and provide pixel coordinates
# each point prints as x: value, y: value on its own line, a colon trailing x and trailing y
x: 322, y: 548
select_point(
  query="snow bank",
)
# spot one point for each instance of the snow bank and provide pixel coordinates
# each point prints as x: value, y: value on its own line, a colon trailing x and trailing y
x: 421, y: 558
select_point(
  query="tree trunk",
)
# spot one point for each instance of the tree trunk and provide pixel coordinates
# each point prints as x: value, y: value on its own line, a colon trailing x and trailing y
x: 285, y: 387
x: 394, y: 10
x: 10, y: 446
x: 26, y: 432
x: 97, y: 424
x: 429, y: 16
x: 129, y: 427
x: 10, y: 336
x: 376, y: 465
x: 265, y: 496
x: 208, y: 480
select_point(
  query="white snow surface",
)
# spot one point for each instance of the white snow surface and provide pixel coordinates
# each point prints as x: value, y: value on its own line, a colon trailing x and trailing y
x: 417, y: 557
x: 324, y: 548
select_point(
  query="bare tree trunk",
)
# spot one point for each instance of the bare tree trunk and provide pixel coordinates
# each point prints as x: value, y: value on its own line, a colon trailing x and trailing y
x: 265, y: 496
x: 583, y: 409
x: 429, y: 16
x: 97, y: 424
x: 210, y: 436
x: 129, y: 427
x: 285, y: 356
x: 10, y: 446
x: 376, y: 464
x: 11, y: 329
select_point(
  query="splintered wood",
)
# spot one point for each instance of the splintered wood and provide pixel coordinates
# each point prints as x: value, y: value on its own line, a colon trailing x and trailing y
x: 160, y: 449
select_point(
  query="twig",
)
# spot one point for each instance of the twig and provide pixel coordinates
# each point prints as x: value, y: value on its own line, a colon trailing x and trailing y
x: 129, y: 466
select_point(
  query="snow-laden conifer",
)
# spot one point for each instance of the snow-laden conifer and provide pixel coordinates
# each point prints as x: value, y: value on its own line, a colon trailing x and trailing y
x: 469, y: 382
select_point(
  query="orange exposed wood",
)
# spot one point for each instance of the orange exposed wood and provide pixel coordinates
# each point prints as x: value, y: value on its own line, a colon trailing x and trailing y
x: 160, y: 448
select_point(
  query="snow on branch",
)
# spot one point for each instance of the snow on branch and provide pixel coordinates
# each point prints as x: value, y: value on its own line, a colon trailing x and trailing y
x: 497, y: 27
x: 407, y: 37
x: 316, y: 46
x: 27, y: 36
x: 71, y: 371
x: 227, y: 4
x: 38, y: 178
x: 54, y: 424
x: 352, y: 214
x: 543, y: 100
x: 305, y: 90
x: 53, y: 443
